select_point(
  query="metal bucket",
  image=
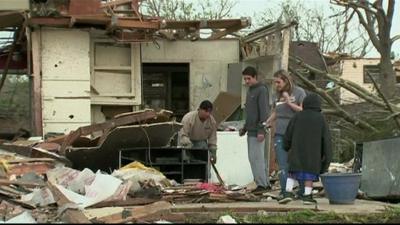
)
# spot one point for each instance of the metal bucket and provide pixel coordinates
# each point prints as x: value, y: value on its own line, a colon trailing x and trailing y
x: 341, y: 188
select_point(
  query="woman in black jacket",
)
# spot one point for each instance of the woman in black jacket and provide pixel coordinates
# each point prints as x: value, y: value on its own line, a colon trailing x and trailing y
x: 308, y: 142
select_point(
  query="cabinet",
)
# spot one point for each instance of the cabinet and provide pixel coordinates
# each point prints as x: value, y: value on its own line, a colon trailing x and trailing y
x: 175, y: 163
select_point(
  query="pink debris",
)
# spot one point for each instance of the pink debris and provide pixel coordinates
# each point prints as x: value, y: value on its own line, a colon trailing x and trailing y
x: 214, y: 188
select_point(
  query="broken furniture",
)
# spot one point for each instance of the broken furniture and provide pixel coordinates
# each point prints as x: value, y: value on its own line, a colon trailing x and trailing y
x: 170, y: 161
x: 106, y: 156
x: 119, y: 120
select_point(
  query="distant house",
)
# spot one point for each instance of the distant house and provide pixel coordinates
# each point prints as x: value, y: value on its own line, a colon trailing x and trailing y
x: 310, y: 54
x: 356, y: 70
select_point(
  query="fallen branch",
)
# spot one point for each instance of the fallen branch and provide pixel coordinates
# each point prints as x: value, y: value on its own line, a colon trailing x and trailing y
x: 349, y: 85
x: 340, y: 111
x: 395, y: 117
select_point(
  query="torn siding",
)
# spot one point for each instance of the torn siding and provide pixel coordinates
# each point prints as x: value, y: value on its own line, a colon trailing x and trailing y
x: 65, y: 79
x: 208, y: 63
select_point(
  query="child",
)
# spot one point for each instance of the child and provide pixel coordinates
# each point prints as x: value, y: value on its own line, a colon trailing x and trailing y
x: 308, y: 142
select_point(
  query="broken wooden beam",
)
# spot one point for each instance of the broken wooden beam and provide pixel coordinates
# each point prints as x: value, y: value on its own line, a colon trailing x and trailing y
x: 134, y: 117
x: 20, y: 169
x: 20, y: 183
x: 222, y: 33
x: 139, y: 212
x: 115, y: 3
x: 50, y: 21
x: 128, y: 23
x: 128, y: 202
x: 205, y: 24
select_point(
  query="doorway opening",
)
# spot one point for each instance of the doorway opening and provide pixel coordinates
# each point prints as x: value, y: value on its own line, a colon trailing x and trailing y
x: 166, y: 86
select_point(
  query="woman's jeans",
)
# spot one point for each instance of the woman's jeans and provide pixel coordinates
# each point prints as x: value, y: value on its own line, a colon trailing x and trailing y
x: 282, y: 158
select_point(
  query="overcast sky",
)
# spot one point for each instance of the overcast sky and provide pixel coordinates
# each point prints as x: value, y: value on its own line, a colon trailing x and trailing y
x: 247, y: 8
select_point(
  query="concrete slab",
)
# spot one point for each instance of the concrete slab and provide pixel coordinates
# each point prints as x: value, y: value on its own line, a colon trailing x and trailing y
x: 359, y: 207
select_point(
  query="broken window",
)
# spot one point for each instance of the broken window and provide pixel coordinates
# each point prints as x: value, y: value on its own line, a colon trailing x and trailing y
x: 373, y: 70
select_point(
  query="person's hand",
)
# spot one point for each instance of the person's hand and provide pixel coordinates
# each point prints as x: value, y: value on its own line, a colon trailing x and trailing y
x: 185, y: 142
x: 260, y: 137
x: 213, y: 156
x: 286, y: 96
x: 242, y: 132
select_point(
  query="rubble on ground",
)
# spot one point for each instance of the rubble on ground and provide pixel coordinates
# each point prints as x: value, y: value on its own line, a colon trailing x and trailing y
x: 40, y: 184
x: 132, y: 193
x: 346, y: 167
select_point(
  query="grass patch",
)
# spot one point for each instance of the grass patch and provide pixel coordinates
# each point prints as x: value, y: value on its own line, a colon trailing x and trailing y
x: 389, y: 215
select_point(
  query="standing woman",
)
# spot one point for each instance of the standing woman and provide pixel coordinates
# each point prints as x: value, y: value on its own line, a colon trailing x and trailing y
x: 287, y: 101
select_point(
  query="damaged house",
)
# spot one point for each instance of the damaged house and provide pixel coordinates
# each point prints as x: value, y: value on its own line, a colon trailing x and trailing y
x: 108, y: 87
x: 91, y: 62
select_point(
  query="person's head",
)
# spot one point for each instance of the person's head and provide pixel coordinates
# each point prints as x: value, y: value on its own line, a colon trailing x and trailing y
x: 205, y: 109
x: 312, y: 102
x: 283, y: 82
x: 250, y: 76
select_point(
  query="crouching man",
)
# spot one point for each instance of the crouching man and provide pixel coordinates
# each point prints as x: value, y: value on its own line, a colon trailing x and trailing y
x: 200, y: 130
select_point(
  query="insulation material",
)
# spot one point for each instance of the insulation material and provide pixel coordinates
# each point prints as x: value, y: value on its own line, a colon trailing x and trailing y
x: 39, y: 197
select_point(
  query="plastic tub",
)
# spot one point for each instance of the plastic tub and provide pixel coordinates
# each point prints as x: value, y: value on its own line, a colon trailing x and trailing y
x: 341, y: 188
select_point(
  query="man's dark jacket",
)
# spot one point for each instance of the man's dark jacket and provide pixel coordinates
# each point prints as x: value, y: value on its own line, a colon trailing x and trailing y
x: 308, y: 139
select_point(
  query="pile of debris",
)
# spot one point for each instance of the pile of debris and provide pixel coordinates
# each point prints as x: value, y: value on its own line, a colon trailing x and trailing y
x: 53, y: 180
x: 134, y: 193
x: 347, y: 167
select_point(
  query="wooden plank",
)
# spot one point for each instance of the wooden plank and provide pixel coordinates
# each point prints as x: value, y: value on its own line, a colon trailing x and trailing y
x: 59, y: 139
x: 70, y: 215
x: 20, y: 183
x: 13, y: 190
x: 50, y: 21
x: 128, y: 202
x: 139, y: 212
x: 99, y: 19
x: 220, y: 34
x: 39, y: 153
x: 9, y: 194
x: 215, y: 208
x: 39, y: 168
x: 136, y: 24
x: 205, y: 24
x: 30, y: 160
x: 224, y: 106
x: 170, y: 217
x: 115, y: 3
x: 36, y: 102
